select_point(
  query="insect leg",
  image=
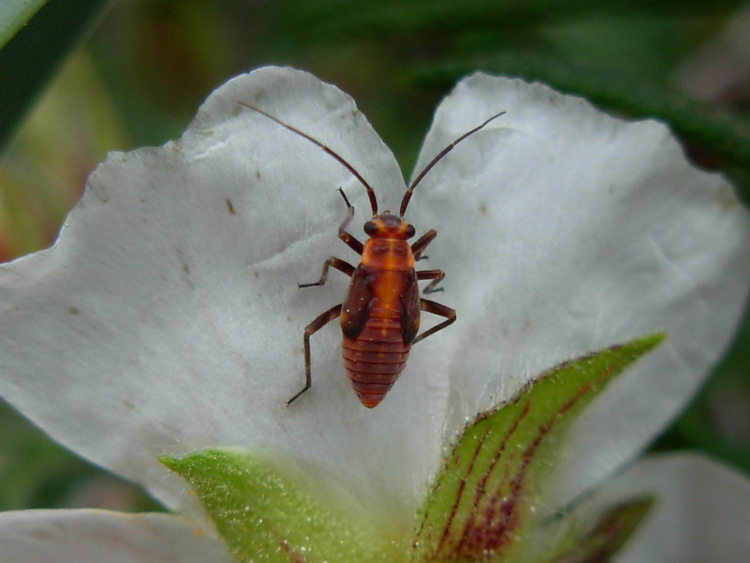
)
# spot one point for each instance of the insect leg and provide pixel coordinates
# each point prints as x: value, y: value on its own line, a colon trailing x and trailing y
x: 435, y: 275
x: 419, y: 246
x: 340, y: 265
x: 348, y: 238
x: 436, y: 309
x: 319, y: 322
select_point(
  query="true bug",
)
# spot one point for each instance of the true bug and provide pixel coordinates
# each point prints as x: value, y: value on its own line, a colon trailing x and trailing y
x: 380, y: 315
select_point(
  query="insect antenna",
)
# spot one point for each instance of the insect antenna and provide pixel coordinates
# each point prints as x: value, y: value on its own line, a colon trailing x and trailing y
x: 434, y: 161
x: 334, y: 154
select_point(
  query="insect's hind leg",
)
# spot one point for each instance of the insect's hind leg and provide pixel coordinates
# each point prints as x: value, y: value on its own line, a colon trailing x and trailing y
x: 340, y: 265
x: 436, y: 309
x: 319, y: 322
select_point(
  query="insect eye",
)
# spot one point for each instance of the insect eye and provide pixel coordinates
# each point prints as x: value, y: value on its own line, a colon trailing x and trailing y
x: 410, y: 231
x: 370, y: 228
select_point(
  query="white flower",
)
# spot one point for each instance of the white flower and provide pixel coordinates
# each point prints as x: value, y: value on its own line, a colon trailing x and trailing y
x: 83, y: 536
x: 167, y: 316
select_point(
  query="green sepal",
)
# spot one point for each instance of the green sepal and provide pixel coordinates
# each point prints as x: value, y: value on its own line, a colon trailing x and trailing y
x: 483, y: 502
x: 265, y: 514
x: 610, y: 532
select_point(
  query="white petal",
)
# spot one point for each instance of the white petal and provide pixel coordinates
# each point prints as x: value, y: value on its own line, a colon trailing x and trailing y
x: 562, y: 231
x: 83, y: 536
x: 167, y: 317
x: 702, y: 510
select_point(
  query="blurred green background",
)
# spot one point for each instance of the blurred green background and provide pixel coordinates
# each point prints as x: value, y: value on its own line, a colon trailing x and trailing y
x: 83, y: 77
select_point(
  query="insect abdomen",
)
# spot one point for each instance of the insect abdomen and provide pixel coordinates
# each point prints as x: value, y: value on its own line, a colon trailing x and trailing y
x: 376, y: 357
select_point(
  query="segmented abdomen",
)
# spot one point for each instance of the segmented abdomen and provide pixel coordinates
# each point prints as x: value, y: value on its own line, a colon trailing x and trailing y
x: 375, y: 358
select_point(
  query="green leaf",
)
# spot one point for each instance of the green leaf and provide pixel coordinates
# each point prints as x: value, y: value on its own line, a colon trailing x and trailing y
x: 30, y: 58
x: 713, y: 137
x: 264, y: 514
x: 14, y: 14
x: 609, y: 534
x: 483, y: 502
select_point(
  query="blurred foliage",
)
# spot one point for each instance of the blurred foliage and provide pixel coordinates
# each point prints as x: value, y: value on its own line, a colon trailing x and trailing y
x: 37, y: 473
x: 138, y: 76
x: 42, y: 173
x: 14, y: 14
x: 30, y: 58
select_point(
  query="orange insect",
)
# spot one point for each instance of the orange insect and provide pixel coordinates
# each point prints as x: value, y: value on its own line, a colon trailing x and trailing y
x: 380, y: 315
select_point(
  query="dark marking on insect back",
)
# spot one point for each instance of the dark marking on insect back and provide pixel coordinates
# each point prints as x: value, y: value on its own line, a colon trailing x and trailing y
x: 356, y: 307
x: 410, y: 307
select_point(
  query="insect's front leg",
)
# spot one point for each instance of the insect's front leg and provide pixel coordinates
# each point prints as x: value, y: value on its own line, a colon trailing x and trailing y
x: 436, y: 309
x: 340, y: 265
x: 435, y: 275
x: 319, y: 322
x: 350, y: 240
x: 421, y: 244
